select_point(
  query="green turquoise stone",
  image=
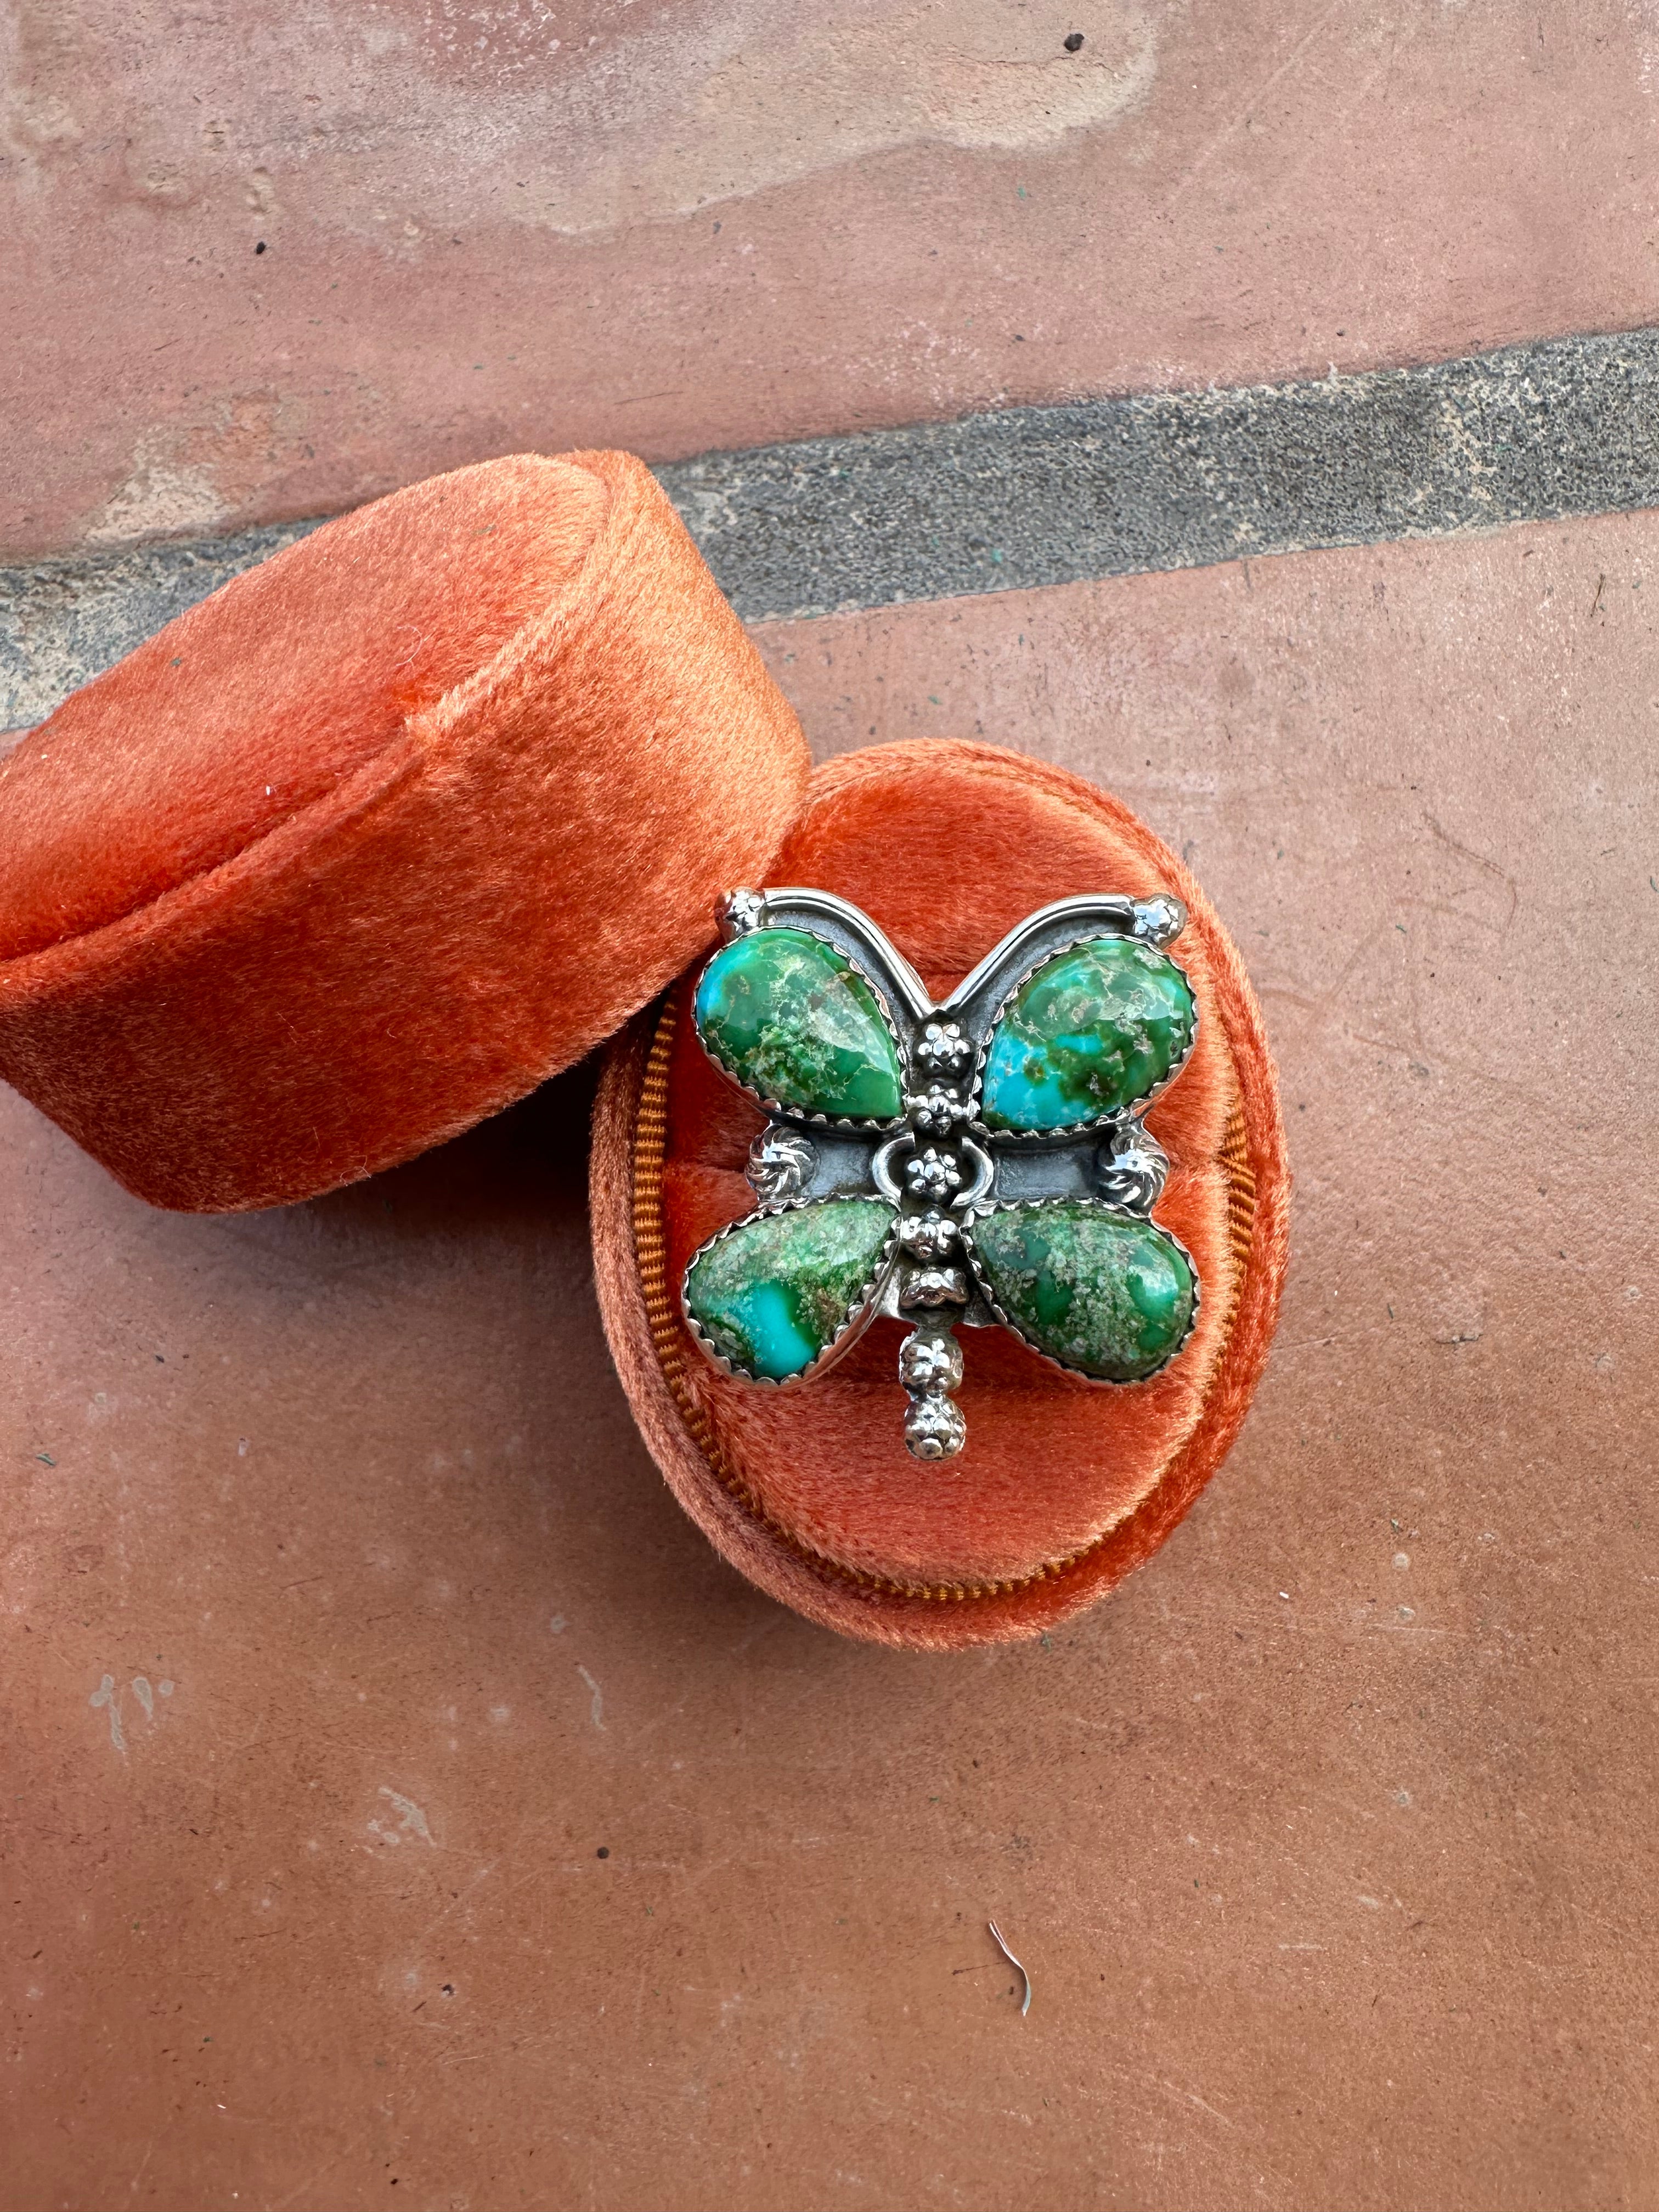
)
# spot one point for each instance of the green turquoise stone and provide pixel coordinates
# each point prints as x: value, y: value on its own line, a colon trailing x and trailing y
x: 776, y: 1293
x: 1093, y: 1289
x: 1088, y: 1033
x: 788, y: 1016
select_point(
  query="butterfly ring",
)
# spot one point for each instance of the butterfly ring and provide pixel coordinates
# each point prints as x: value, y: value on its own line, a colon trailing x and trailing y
x: 980, y: 1162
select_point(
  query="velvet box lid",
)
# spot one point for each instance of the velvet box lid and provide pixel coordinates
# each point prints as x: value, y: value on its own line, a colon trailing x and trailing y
x: 383, y: 833
x: 399, y: 824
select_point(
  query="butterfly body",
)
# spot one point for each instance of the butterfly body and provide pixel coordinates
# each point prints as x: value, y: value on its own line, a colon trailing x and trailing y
x: 976, y: 1163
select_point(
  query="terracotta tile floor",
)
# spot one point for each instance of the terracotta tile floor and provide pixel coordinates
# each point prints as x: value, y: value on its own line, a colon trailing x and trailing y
x: 268, y: 271
x: 402, y: 1806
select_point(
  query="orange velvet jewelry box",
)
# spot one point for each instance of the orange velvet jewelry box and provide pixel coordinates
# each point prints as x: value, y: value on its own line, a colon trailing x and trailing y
x: 429, y: 804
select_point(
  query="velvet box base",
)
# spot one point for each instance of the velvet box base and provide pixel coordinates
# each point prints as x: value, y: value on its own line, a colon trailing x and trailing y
x: 1064, y: 1485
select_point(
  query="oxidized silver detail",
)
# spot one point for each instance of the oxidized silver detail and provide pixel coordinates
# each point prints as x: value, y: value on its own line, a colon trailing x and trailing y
x: 985, y: 1172
x: 928, y: 1235
x: 1160, y: 919
x: 741, y: 912
x: 934, y: 1428
x: 931, y: 1174
x: 937, y: 1110
x: 935, y: 1287
x: 930, y: 1364
x: 930, y: 1368
x: 782, y: 1162
x: 1131, y: 1169
x: 942, y: 1049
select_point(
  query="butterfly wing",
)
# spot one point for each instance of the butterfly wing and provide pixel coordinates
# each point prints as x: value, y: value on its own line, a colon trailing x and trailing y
x: 794, y: 1018
x: 1096, y: 1028
x: 1101, y: 1293
x: 778, y: 1295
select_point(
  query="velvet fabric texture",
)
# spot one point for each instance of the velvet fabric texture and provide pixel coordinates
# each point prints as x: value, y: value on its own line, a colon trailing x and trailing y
x: 383, y: 833
x: 1064, y: 1485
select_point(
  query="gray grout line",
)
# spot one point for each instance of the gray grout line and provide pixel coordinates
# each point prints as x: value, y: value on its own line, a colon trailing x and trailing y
x: 1031, y: 496
x: 1177, y: 480
x: 64, y: 620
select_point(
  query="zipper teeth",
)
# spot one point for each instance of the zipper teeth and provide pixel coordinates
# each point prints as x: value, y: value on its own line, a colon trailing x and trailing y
x: 668, y: 1336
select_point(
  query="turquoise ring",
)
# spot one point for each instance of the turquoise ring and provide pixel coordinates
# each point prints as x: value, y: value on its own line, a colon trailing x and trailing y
x: 981, y: 1163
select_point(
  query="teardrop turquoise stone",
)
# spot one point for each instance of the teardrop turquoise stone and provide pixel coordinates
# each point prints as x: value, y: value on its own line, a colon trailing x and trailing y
x: 788, y: 1015
x: 776, y: 1293
x: 1093, y: 1289
x: 1088, y: 1033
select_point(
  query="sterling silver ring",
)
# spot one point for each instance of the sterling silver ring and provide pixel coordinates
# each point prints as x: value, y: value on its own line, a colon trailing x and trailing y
x: 979, y: 1162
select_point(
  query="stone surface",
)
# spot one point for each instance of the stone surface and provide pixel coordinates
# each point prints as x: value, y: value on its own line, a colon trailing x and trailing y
x: 776, y: 1293
x: 254, y: 272
x: 1100, y: 1293
x: 1086, y: 1035
x: 1330, y: 1840
x: 786, y: 1014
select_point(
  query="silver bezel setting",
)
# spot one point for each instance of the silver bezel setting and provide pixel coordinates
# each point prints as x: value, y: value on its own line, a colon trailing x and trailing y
x: 1118, y: 1213
x: 798, y: 1114
x: 860, y: 1314
x: 1097, y: 1123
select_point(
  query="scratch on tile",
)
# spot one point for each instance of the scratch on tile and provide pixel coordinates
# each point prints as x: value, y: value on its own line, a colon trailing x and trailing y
x: 1192, y: 2098
x: 1241, y: 115
x: 596, y: 1711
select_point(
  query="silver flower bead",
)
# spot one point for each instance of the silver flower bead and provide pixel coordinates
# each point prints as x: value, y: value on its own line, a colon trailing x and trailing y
x: 936, y: 1109
x: 932, y: 1174
x: 928, y: 1235
x: 942, y: 1049
x: 930, y: 1364
x: 934, y: 1286
x: 934, y: 1429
